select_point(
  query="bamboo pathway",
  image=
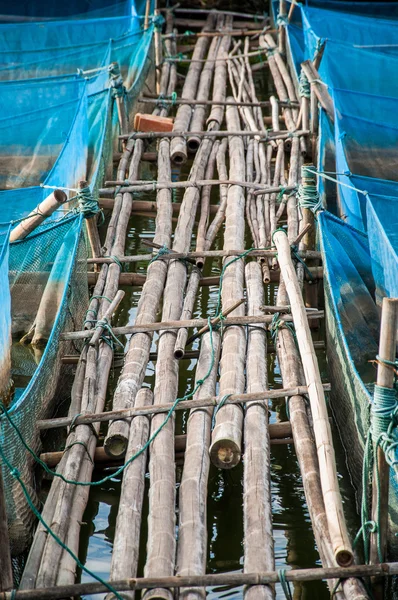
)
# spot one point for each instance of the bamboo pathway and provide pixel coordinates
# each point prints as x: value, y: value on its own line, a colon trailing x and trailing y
x: 249, y: 151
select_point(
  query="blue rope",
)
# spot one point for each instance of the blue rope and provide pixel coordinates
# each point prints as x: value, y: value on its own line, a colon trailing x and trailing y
x: 285, y: 584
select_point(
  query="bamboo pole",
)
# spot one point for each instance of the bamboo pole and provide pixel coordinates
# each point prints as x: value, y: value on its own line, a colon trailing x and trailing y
x: 164, y: 408
x: 128, y: 524
x: 133, y: 372
x: 155, y: 100
x: 205, y: 206
x: 258, y: 540
x: 150, y: 187
x: 116, y: 82
x: 385, y: 378
x: 225, y: 449
x: 192, y: 530
x: 178, y: 148
x: 208, y: 580
x: 189, y: 301
x: 330, y: 489
x: 183, y: 133
x: 92, y: 229
x: 216, y: 320
x: 100, y: 327
x: 53, y: 202
x: 320, y: 90
x: 145, y: 206
x: 205, y: 82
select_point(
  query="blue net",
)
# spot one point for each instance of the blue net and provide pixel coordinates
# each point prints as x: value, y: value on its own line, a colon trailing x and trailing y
x: 56, y: 127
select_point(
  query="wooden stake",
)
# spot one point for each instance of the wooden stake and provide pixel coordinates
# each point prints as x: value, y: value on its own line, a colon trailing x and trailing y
x: 327, y: 465
x: 385, y: 378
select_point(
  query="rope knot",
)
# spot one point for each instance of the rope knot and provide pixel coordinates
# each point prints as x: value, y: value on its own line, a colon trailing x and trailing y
x: 304, y: 86
x: 87, y: 203
x: 116, y: 82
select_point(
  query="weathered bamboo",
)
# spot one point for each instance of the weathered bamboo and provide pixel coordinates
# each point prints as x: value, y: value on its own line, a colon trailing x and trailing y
x: 385, y: 378
x: 53, y: 202
x: 164, y: 408
x: 153, y: 135
x: 192, y: 531
x: 154, y: 100
x: 116, y: 82
x: 205, y: 81
x: 320, y: 90
x: 126, y: 546
x: 178, y: 324
x: 100, y: 326
x: 92, y: 229
x: 146, y: 206
x: 189, y: 301
x: 150, y: 187
x: 178, y: 148
x: 225, y: 449
x: 208, y: 580
x: 216, y: 320
x: 330, y: 488
x: 258, y: 540
x: 282, y: 32
x: 133, y: 372
x: 6, y: 579
x: 205, y: 206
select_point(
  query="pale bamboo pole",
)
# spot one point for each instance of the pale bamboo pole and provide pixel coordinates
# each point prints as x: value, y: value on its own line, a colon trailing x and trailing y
x: 385, y: 378
x: 258, y: 540
x: 53, y: 202
x: 137, y: 356
x: 205, y: 81
x: 192, y: 531
x: 337, y: 527
x: 128, y: 524
x: 189, y: 301
x: 225, y: 449
x: 205, y: 206
x: 178, y: 149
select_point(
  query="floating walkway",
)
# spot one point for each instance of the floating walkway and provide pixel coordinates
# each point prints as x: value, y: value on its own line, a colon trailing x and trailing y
x: 255, y: 154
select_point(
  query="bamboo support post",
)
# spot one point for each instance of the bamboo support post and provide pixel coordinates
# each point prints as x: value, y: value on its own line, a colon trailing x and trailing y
x: 147, y: 13
x: 126, y: 547
x: 178, y: 148
x: 385, y: 378
x: 205, y: 206
x: 92, y: 229
x: 192, y: 536
x: 225, y: 449
x: 100, y: 327
x: 189, y: 301
x: 116, y: 82
x: 258, y: 540
x: 53, y: 202
x: 281, y: 30
x: 327, y: 465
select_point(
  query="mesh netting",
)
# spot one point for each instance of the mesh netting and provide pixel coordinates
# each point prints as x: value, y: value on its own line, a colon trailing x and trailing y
x: 78, y: 9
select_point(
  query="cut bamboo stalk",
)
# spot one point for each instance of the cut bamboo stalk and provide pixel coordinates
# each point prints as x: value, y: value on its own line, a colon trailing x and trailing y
x: 337, y: 527
x: 385, y: 378
x: 225, y: 449
x: 208, y: 580
x: 126, y: 547
x: 189, y: 301
x: 206, y: 79
x: 53, y: 202
x: 178, y: 324
x: 205, y: 206
x: 319, y: 88
x: 282, y: 32
x: 164, y: 408
x: 258, y: 540
x: 133, y: 372
x: 216, y: 320
x: 178, y: 148
x: 147, y: 13
x: 100, y: 327
x: 192, y: 531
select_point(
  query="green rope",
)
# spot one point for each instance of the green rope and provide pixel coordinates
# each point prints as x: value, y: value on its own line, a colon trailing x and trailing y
x: 308, y: 195
x: 87, y: 203
x: 285, y: 584
x: 112, y: 340
x: 116, y: 260
x: 225, y: 266
x: 219, y: 405
x: 304, y: 86
x: 161, y: 252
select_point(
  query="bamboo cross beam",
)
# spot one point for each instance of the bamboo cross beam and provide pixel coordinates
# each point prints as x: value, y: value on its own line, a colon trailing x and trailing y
x: 319, y: 88
x: 209, y: 580
x: 216, y: 11
x: 215, y: 321
x: 189, y: 323
x: 265, y: 136
x: 318, y: 272
x: 259, y: 189
x: 128, y: 413
x: 153, y: 99
x: 173, y: 59
x: 101, y: 325
x: 209, y: 34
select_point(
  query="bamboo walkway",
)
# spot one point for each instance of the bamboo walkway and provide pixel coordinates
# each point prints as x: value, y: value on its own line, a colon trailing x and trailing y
x: 253, y: 161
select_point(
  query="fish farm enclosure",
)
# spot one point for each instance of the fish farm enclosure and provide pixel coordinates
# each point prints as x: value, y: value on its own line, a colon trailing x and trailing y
x: 199, y: 300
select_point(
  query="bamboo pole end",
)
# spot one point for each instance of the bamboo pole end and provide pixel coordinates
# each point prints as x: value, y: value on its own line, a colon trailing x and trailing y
x: 116, y: 445
x: 344, y: 557
x: 225, y: 454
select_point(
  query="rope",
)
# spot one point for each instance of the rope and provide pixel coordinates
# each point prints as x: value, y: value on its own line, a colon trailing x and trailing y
x: 219, y: 405
x: 285, y: 584
x: 118, y: 89
x: 308, y: 195
x: 304, y: 86
x: 325, y: 175
x: 87, y: 203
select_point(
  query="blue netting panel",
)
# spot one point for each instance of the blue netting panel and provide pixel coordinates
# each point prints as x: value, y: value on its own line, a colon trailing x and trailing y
x: 81, y: 9
x: 50, y: 285
x: 33, y: 143
x: 383, y: 242
x: 5, y: 314
x: 381, y: 34
x: 374, y: 9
